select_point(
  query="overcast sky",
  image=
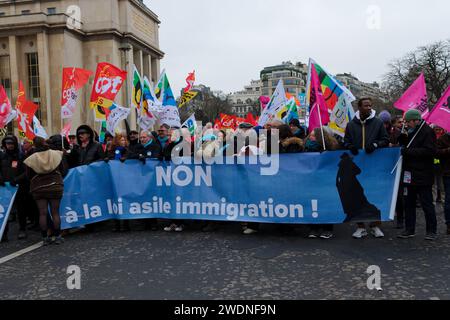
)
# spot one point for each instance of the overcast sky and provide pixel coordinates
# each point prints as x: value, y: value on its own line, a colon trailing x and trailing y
x: 229, y: 42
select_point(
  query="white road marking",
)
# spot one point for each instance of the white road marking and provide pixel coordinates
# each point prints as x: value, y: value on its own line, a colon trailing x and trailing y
x: 20, y: 253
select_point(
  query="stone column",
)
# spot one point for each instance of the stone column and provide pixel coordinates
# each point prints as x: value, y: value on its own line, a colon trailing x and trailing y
x: 50, y: 119
x: 14, y: 69
x: 155, y: 70
x: 147, y: 67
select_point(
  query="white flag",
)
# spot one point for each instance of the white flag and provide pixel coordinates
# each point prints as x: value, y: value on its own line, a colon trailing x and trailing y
x: 38, y: 129
x: 146, y: 123
x: 277, y: 102
x: 118, y: 113
x: 191, y: 124
x: 11, y: 116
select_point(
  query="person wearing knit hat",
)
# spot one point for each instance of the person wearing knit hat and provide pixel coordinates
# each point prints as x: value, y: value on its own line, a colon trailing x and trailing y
x: 385, y: 116
x: 413, y: 115
x: 419, y: 149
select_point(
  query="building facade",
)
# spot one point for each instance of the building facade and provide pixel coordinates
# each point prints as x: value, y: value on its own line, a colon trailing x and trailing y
x: 361, y: 89
x: 293, y: 75
x: 245, y: 101
x: 39, y: 38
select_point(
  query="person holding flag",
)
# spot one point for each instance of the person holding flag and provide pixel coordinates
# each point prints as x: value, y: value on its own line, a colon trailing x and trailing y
x: 368, y: 133
x: 419, y: 149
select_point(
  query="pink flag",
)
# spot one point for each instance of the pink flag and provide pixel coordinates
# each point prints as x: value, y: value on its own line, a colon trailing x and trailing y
x: 440, y: 115
x: 318, y: 115
x: 415, y: 97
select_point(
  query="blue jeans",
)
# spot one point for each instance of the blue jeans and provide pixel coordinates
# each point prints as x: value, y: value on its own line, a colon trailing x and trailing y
x: 425, y: 194
x: 447, y: 200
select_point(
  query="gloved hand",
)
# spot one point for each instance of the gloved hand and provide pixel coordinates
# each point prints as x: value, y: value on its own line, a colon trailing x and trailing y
x: 106, y: 160
x: 354, y: 150
x: 142, y: 159
x: 123, y: 159
x: 371, y: 148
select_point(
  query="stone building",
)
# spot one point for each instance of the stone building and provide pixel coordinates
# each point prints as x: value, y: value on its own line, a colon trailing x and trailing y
x: 39, y: 38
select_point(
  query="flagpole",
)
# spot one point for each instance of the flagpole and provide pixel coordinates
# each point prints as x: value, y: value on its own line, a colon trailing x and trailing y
x: 61, y: 132
x: 321, y: 127
x: 409, y: 145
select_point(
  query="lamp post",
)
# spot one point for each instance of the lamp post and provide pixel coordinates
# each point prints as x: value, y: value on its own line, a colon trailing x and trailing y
x: 124, y: 48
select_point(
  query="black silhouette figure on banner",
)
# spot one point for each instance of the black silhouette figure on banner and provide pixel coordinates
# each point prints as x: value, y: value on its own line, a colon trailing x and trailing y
x: 355, y: 204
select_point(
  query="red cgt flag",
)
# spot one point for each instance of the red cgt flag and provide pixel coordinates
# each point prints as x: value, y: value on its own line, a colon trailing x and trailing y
x: 227, y: 121
x: 107, y: 83
x: 73, y: 80
x: 25, y: 113
x: 5, y: 107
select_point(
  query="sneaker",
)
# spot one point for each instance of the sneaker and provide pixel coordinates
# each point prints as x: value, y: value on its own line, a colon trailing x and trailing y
x: 46, y: 241
x: 360, y: 233
x: 170, y: 228
x: 406, y: 235
x: 179, y: 228
x: 313, y: 234
x: 59, y: 240
x: 22, y: 235
x: 431, y: 237
x: 249, y: 231
x: 377, y: 233
x: 327, y: 235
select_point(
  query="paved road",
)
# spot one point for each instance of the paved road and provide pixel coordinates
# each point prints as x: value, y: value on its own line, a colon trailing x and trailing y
x: 227, y: 265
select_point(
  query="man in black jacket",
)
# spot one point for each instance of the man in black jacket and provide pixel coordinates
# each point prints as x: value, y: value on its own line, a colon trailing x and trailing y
x: 88, y: 150
x: 134, y: 146
x: 419, y: 150
x: 368, y: 133
x: 12, y: 170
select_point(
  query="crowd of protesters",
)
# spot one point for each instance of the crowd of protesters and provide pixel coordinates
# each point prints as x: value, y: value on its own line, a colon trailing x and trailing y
x: 38, y: 168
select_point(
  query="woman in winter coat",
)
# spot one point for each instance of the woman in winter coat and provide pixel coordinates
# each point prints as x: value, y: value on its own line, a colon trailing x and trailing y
x: 45, y: 170
x: 118, y: 149
x: 289, y: 143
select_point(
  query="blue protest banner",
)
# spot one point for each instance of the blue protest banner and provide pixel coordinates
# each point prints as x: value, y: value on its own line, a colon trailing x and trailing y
x: 7, y: 196
x: 307, y: 188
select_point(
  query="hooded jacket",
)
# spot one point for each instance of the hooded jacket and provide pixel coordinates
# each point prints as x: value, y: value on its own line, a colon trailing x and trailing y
x: 85, y: 156
x: 361, y: 134
x: 292, y: 145
x: 12, y: 168
x: 419, y: 157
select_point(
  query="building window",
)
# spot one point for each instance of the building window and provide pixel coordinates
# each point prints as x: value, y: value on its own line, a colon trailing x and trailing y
x: 5, y: 78
x: 33, y: 80
x: 51, y: 10
x: 26, y: 11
